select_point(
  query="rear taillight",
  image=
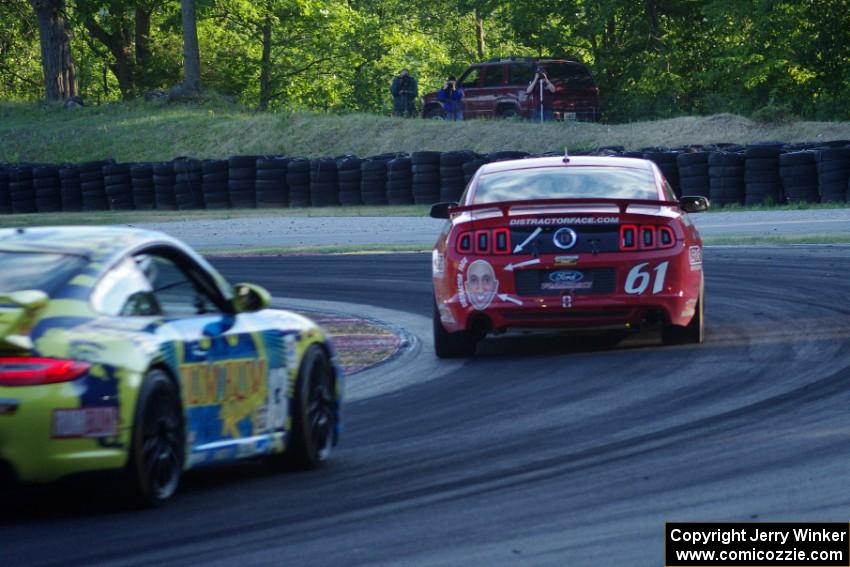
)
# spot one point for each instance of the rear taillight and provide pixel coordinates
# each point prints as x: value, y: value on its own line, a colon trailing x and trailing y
x: 30, y: 371
x: 645, y: 237
x: 487, y: 241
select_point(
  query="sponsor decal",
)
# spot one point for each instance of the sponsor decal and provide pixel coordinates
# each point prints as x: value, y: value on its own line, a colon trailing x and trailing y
x: 552, y: 221
x: 566, y: 260
x: 277, y: 403
x: 438, y: 263
x: 479, y: 286
x: 565, y: 238
x: 566, y: 276
x: 695, y: 257
x: 85, y: 422
x: 8, y: 406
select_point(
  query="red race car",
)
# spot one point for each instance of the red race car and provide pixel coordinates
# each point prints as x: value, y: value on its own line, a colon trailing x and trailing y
x: 567, y: 243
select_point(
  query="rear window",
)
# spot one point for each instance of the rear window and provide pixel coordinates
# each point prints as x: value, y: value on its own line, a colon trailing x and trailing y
x: 569, y: 75
x: 566, y: 183
x: 29, y: 270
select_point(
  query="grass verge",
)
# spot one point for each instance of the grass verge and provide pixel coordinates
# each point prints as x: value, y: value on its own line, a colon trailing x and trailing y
x: 139, y: 217
x: 140, y: 131
x: 826, y: 238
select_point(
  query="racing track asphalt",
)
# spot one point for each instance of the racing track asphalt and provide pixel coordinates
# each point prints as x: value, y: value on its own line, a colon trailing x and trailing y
x: 539, y: 451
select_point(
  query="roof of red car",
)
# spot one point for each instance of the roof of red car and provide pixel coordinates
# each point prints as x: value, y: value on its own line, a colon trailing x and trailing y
x: 604, y: 161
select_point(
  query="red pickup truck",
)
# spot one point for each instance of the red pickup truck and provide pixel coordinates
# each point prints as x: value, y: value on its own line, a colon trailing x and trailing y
x: 497, y: 89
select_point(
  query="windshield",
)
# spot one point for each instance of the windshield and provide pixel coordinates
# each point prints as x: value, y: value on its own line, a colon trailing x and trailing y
x: 36, y: 270
x: 566, y: 183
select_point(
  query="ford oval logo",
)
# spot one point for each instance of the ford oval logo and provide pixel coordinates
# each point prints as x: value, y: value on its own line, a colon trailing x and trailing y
x: 566, y: 276
x: 565, y: 238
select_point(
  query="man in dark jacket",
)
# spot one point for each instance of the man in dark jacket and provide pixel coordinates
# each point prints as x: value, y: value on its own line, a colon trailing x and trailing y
x: 404, y: 91
x: 451, y: 96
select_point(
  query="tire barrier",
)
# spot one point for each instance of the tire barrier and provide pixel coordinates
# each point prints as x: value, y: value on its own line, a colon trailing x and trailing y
x: 298, y: 179
x: 188, y: 184
x: 241, y: 174
x: 163, y: 184
x: 761, y: 174
x: 118, y: 187
x: 373, y: 180
x: 21, y: 190
x: 46, y: 185
x: 452, y: 180
x: 400, y: 181
x: 92, y: 186
x: 214, y: 183
x: 693, y: 173
x: 5, y: 196
x: 426, y: 177
x: 833, y: 173
x: 272, y: 189
x: 726, y: 184
x: 799, y: 174
x: 348, y: 173
x: 728, y: 174
x: 324, y: 183
x: 143, y: 189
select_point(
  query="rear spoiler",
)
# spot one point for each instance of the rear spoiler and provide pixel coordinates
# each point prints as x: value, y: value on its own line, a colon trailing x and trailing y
x: 18, y: 312
x: 506, y: 206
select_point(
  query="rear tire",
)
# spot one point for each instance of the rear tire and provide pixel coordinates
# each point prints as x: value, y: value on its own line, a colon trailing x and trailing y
x: 435, y: 113
x: 692, y: 333
x: 451, y: 345
x: 313, y: 410
x: 158, y: 442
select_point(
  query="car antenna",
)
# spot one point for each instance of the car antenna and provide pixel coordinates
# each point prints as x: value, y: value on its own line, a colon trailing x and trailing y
x: 566, y: 155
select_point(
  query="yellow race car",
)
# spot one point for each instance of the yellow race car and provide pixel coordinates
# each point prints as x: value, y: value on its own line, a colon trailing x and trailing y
x: 124, y: 349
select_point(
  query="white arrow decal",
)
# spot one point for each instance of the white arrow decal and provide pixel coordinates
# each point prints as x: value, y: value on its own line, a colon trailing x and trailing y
x: 506, y: 297
x: 511, y: 267
x: 519, y: 247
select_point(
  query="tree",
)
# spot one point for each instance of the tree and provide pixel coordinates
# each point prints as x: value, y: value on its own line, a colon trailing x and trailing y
x: 60, y: 80
x: 191, y: 53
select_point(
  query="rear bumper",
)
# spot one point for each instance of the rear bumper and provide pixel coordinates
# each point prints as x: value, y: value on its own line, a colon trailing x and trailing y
x: 29, y: 445
x: 569, y: 312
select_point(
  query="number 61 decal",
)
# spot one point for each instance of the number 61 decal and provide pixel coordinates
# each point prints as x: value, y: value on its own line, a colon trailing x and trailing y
x: 638, y: 280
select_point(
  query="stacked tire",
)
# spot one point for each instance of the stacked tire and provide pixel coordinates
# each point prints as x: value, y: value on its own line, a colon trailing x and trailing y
x: 298, y: 180
x: 46, y: 185
x: 373, y: 180
x: 69, y: 188
x: 188, y: 184
x: 163, y: 184
x: 20, y: 190
x: 693, y: 173
x: 92, y: 186
x: 400, y: 181
x: 833, y: 174
x: 668, y: 164
x: 452, y: 180
x: 241, y: 175
x: 426, y: 177
x: 144, y: 190
x: 5, y: 197
x: 799, y: 174
x: 324, y: 184
x: 272, y: 189
x: 214, y: 176
x: 761, y: 175
x: 471, y: 167
x: 348, y: 174
x: 118, y: 186
x: 726, y: 178
x: 512, y: 154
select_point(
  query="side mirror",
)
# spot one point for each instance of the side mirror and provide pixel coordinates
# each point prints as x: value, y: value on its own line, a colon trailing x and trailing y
x: 441, y: 210
x: 694, y: 204
x: 250, y: 298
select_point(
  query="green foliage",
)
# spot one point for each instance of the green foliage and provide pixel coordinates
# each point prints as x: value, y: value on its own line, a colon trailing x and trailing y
x: 651, y: 59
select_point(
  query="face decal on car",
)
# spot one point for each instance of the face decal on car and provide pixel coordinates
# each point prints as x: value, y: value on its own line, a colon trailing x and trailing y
x: 481, y: 284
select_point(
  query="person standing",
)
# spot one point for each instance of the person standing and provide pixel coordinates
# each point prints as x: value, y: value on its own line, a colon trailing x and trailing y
x: 404, y: 90
x: 536, y: 90
x: 451, y: 97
